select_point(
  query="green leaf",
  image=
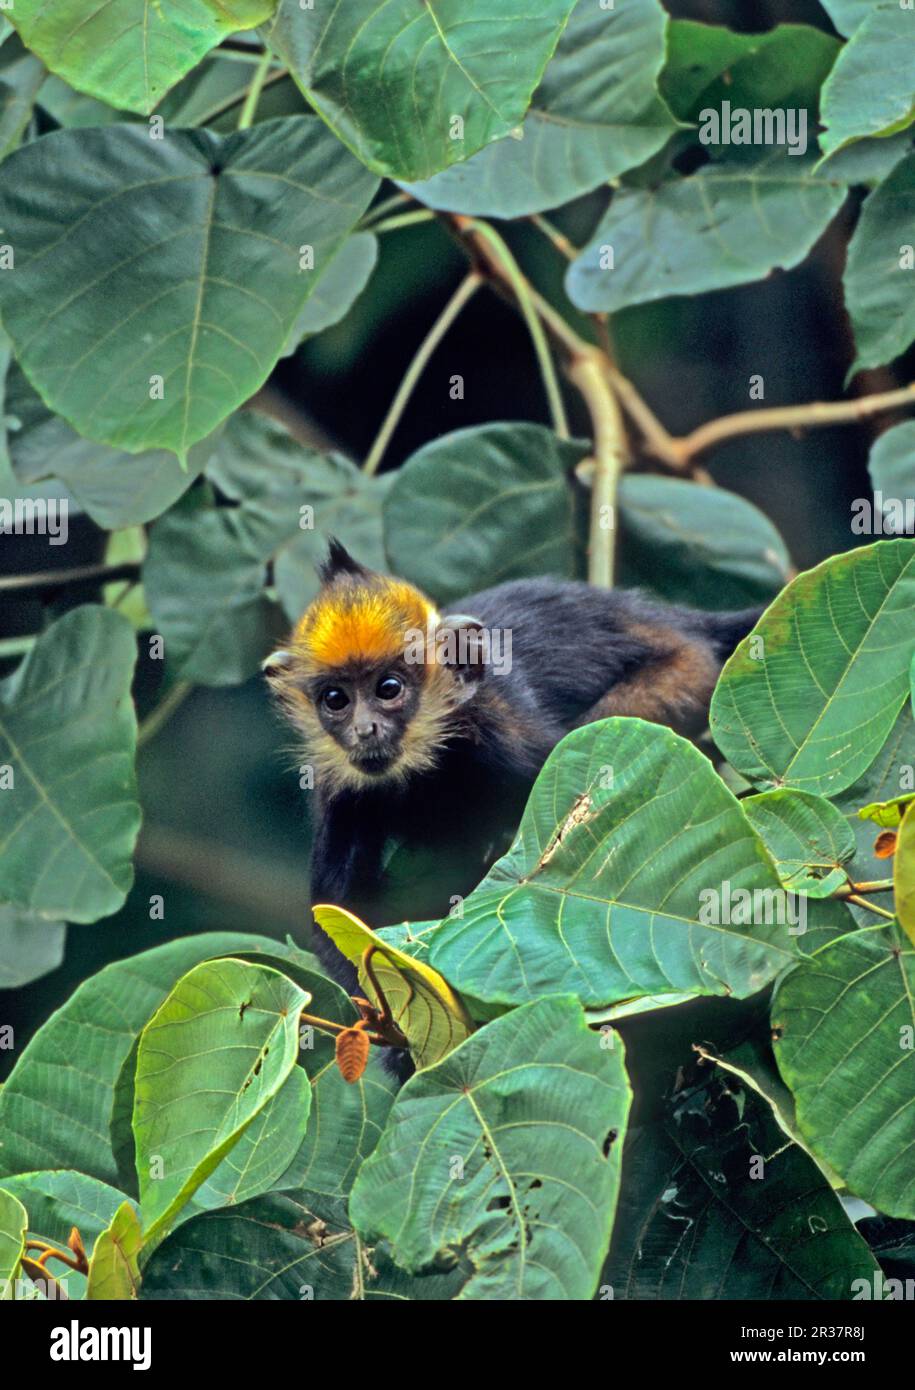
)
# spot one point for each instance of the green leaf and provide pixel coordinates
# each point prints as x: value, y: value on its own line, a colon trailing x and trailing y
x: 130, y: 52
x: 483, y: 505
x: 878, y: 286
x: 534, y: 1107
x: 114, y: 1271
x: 349, y: 273
x: 56, y: 1106
x: 30, y: 946
x: 279, y: 1248
x: 393, y: 78
x: 205, y: 570
x: 904, y: 875
x: 115, y: 488
x: 729, y: 224
x: 870, y: 89
x: 715, y: 1204
x: 809, y: 699
x: 892, y: 470
x: 699, y: 545
x: 846, y: 15
x: 296, y: 498
x: 706, y: 65
x: 890, y: 775
x: 843, y: 1023
x: 428, y: 1012
x: 20, y: 82
x: 204, y: 579
x: 212, y: 1056
x: 68, y: 732
x: 621, y: 883
x: 200, y: 235
x: 59, y: 1200
x: 13, y: 1219
x: 595, y: 114
x: 807, y: 837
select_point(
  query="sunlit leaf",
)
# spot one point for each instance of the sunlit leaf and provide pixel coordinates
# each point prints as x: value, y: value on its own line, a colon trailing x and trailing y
x: 114, y: 1272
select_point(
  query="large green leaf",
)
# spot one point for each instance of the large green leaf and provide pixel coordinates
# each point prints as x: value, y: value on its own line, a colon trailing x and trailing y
x: 843, y: 1023
x: 68, y: 732
x: 810, y: 698
x: 482, y: 505
x: 115, y: 488
x: 878, y: 282
x: 206, y: 567
x: 297, y: 498
x: 130, y: 52
x: 595, y: 114
x: 13, y: 1219
x: 846, y: 15
x: 892, y: 470
x: 412, y: 88
x: 715, y: 1205
x: 281, y: 1247
x: 871, y: 89
x: 507, y: 1153
x: 808, y: 838
x: 212, y: 1056
x: 707, y: 65
x: 728, y: 224
x: 56, y: 1106
x: 202, y: 244
x: 699, y: 545
x: 608, y: 891
x: 30, y: 946
x: 349, y: 273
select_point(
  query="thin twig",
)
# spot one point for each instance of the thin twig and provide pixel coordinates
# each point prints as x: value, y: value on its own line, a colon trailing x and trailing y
x: 468, y: 287
x: 255, y: 89
x: 788, y: 417
x: 524, y: 296
x: 559, y: 240
x: 163, y: 711
x: 44, y: 579
x: 402, y: 219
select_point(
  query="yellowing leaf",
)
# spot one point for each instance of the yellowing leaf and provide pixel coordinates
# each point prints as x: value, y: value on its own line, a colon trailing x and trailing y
x: 114, y: 1271
x: 887, y: 813
x: 423, y: 1004
x: 904, y: 875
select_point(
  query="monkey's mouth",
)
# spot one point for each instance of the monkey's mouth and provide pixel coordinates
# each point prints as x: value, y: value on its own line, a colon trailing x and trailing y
x: 373, y: 761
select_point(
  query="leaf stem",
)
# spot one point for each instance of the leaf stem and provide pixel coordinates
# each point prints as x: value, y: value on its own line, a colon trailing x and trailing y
x: 871, y: 907
x: 465, y: 290
x: 588, y: 372
x: 162, y: 712
x: 524, y: 296
x: 43, y: 579
x: 403, y: 219
x: 254, y: 91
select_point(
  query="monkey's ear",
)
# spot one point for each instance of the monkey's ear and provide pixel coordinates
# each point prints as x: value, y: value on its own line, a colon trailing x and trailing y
x: 339, y: 561
x: 460, y: 644
x: 276, y: 665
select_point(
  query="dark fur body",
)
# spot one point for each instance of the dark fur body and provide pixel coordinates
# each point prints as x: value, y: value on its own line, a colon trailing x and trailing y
x: 578, y: 654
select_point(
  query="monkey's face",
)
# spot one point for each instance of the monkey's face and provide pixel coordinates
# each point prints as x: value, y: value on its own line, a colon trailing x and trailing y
x: 367, y: 710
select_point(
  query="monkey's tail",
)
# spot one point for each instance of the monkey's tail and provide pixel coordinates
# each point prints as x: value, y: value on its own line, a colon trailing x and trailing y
x: 725, y: 630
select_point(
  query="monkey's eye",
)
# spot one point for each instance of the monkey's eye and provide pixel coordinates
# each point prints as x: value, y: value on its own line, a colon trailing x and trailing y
x: 335, y: 699
x: 389, y: 688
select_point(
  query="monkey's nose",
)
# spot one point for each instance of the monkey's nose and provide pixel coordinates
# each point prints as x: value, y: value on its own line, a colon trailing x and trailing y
x: 365, y: 728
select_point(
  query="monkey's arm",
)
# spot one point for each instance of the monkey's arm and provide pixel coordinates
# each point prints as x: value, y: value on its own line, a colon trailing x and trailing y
x: 346, y: 859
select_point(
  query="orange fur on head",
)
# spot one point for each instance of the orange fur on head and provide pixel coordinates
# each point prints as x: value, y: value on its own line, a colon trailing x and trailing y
x: 354, y: 621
